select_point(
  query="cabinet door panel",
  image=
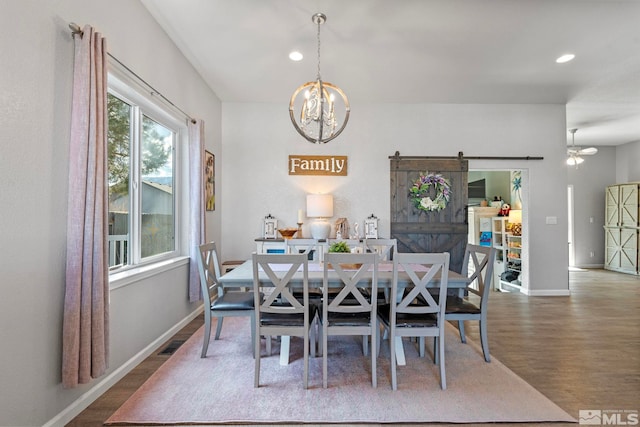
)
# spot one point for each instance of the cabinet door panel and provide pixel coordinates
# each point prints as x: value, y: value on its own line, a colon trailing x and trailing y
x: 628, y: 249
x: 612, y: 248
x: 612, y: 212
x: 629, y: 205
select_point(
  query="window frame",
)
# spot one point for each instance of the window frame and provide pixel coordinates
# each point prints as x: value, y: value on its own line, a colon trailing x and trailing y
x: 126, y: 86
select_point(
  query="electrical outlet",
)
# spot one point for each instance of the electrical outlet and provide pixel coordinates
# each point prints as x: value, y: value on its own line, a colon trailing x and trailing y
x: 592, y: 254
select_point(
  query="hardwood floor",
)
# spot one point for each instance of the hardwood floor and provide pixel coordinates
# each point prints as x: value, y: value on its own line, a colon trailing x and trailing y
x: 582, y: 352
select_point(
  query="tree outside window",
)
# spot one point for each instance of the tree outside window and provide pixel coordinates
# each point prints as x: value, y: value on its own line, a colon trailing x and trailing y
x: 146, y: 210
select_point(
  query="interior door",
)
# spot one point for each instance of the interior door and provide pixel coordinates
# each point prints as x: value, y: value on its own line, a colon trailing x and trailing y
x: 436, y: 231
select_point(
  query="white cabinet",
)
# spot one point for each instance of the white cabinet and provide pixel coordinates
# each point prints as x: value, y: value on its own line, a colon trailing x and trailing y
x: 480, y: 224
x: 622, y: 208
x: 499, y: 241
x: 513, y: 263
x: 279, y: 246
x: 621, y: 249
x: 622, y: 228
x: 498, y: 269
x: 271, y: 246
x: 499, y: 236
x: 508, y: 255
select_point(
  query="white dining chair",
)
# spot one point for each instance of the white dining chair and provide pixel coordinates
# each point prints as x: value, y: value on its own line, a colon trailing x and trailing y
x: 310, y: 247
x: 351, y: 307
x: 279, y: 312
x: 314, y: 251
x: 218, y: 302
x: 415, y: 312
x: 385, y: 248
x: 478, y: 264
x: 356, y: 245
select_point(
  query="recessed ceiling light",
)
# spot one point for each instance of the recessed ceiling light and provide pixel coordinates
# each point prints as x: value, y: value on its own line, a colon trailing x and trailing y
x: 295, y: 56
x: 565, y: 58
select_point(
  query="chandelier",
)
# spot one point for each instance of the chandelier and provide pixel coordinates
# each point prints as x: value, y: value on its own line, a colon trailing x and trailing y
x: 319, y: 110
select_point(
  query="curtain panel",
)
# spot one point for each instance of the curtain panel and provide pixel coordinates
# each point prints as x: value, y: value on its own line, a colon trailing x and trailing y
x: 197, y: 231
x: 85, y: 333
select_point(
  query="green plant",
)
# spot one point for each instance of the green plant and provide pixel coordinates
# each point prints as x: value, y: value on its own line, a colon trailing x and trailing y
x: 340, y: 246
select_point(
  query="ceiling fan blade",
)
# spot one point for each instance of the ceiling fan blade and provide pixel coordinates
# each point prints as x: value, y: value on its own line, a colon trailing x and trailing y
x: 579, y: 151
x: 588, y: 151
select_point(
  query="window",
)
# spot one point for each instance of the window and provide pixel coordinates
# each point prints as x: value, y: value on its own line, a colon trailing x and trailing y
x: 144, y: 174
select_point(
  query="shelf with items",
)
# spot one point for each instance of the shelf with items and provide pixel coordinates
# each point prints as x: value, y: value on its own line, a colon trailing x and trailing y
x: 514, y: 253
x: 499, y: 241
x: 479, y: 219
x: 499, y: 232
x: 511, y: 282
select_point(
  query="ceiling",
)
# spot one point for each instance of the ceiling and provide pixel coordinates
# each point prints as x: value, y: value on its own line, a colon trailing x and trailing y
x: 424, y: 51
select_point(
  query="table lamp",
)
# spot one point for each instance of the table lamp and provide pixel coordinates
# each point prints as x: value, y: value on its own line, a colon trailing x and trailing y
x: 320, y: 206
x: 515, y: 219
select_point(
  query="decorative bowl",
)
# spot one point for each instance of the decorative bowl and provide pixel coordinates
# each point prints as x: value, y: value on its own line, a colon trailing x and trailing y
x: 287, y: 233
x: 346, y: 266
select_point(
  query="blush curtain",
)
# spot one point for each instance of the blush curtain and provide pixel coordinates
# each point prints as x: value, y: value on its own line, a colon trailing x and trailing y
x: 85, y: 332
x: 197, y: 232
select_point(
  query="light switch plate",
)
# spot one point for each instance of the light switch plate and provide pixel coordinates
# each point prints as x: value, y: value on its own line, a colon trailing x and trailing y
x: 551, y: 220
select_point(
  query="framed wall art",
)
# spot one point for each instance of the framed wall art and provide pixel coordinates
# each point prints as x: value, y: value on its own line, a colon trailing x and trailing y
x: 210, y: 181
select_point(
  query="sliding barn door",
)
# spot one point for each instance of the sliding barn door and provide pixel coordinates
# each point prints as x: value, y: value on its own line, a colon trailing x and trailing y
x: 436, y: 231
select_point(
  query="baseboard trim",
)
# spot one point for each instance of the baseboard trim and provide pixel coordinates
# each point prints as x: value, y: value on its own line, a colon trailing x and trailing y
x: 547, y: 292
x: 80, y: 404
x: 592, y: 266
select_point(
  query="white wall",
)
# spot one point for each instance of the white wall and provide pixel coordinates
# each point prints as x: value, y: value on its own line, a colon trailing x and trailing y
x: 589, y: 181
x: 256, y: 182
x: 628, y: 163
x: 612, y: 165
x: 498, y: 183
x: 35, y: 93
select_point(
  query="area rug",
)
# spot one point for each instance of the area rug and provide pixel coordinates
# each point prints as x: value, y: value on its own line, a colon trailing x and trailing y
x: 218, y: 389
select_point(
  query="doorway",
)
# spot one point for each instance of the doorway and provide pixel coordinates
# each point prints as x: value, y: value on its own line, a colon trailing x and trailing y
x: 572, y: 253
x: 510, y: 186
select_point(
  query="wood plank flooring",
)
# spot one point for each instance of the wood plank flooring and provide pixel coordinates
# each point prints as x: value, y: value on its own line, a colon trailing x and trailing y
x: 582, y: 351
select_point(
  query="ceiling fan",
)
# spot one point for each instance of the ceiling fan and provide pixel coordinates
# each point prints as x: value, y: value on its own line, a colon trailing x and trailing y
x: 575, y: 153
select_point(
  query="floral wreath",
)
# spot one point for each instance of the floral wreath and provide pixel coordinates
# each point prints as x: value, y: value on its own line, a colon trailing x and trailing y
x: 421, y: 189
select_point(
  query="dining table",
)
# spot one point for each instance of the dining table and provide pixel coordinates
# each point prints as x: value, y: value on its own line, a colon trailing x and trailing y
x: 242, y: 277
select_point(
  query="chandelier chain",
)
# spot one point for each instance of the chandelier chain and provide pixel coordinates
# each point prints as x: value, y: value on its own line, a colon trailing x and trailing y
x: 319, y: 23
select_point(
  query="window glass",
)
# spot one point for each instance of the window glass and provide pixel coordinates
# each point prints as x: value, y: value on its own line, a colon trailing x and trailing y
x: 119, y: 141
x: 143, y: 198
x: 157, y: 188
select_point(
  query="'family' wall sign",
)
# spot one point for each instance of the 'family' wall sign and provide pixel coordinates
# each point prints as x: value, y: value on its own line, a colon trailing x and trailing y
x: 318, y: 165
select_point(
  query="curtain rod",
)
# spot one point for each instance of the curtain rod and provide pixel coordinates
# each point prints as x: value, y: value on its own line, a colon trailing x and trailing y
x: 461, y: 156
x: 75, y: 29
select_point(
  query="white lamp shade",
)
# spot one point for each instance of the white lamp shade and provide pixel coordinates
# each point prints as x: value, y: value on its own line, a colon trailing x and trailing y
x: 319, y: 205
x: 515, y: 216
